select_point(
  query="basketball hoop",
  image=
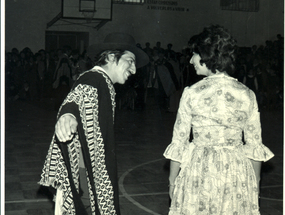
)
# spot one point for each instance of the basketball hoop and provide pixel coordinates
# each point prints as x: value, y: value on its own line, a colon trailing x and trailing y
x: 88, y: 15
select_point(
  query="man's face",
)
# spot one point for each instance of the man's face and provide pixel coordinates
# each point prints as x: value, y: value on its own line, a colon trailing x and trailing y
x: 124, y: 68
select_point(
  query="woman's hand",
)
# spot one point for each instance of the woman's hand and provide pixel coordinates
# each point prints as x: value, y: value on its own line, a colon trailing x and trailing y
x: 257, y: 168
x: 171, y: 190
x: 174, y: 170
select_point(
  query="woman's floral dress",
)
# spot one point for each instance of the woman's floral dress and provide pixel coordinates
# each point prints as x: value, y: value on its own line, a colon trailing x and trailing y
x: 216, y: 175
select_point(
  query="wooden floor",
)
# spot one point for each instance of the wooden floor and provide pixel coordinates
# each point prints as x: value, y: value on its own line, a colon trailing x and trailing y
x: 141, y: 136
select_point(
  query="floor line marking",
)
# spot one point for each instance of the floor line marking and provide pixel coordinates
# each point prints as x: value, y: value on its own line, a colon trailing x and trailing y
x: 26, y: 201
x: 125, y: 194
x: 129, y: 196
x: 138, y: 194
x: 270, y: 186
x: 148, y: 194
x: 47, y: 200
x: 271, y: 199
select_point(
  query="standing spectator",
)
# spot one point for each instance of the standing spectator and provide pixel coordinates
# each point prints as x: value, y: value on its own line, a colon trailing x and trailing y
x: 84, y: 63
x: 148, y: 50
x: 50, y: 68
x: 158, y: 49
x: 149, y: 67
x: 32, y: 78
x: 41, y: 69
x: 250, y: 80
x: 165, y: 79
x: 63, y: 67
x: 62, y: 77
x: 17, y: 79
x: 177, y: 77
x: 15, y: 51
x: 74, y: 60
x: 272, y: 87
x: 169, y: 53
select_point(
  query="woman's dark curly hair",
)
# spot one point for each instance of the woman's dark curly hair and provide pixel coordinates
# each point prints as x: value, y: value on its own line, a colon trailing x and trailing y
x: 216, y: 48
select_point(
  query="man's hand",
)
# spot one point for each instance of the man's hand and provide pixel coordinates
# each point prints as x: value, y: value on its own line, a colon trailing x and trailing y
x: 65, y: 127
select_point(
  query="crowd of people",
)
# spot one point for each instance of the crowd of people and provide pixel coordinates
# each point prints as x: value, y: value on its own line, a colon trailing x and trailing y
x: 217, y: 171
x: 34, y: 76
x: 261, y: 69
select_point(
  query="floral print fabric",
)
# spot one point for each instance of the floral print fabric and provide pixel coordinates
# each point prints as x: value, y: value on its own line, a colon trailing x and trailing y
x: 216, y: 175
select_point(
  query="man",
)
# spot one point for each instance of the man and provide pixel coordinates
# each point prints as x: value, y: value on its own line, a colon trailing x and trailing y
x: 82, y: 154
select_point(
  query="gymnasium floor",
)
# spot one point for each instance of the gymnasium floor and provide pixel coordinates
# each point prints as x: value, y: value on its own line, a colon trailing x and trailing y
x: 141, y: 136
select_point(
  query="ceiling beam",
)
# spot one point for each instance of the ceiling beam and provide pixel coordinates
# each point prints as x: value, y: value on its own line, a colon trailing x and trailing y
x: 54, y: 20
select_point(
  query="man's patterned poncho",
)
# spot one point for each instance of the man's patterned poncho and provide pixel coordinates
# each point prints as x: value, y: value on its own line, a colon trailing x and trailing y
x: 92, y: 101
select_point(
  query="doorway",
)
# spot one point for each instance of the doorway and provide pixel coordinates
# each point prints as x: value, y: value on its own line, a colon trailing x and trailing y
x: 58, y: 39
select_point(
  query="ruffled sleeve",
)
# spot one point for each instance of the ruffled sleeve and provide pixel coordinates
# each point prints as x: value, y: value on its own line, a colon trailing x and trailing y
x: 181, y: 130
x: 254, y: 148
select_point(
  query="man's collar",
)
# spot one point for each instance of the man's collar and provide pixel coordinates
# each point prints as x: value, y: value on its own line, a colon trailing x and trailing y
x: 101, y: 69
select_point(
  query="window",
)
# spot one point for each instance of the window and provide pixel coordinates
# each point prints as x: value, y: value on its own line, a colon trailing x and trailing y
x: 240, y: 5
x: 128, y: 1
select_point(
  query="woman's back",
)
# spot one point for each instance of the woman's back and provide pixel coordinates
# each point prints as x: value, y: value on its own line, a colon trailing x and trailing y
x: 220, y: 108
x: 217, y: 172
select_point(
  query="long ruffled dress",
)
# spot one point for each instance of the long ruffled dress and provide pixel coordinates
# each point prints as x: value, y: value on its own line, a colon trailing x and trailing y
x: 216, y: 175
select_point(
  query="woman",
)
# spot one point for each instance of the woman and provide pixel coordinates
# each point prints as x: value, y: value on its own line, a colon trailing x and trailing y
x: 216, y: 173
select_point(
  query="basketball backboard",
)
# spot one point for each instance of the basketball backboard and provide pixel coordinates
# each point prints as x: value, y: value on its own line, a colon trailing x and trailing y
x: 77, y: 9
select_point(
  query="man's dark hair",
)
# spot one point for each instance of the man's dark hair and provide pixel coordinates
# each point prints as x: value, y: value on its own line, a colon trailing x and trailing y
x: 101, y: 59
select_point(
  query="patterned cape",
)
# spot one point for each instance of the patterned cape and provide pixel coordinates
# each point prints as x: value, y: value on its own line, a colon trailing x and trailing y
x: 92, y: 101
